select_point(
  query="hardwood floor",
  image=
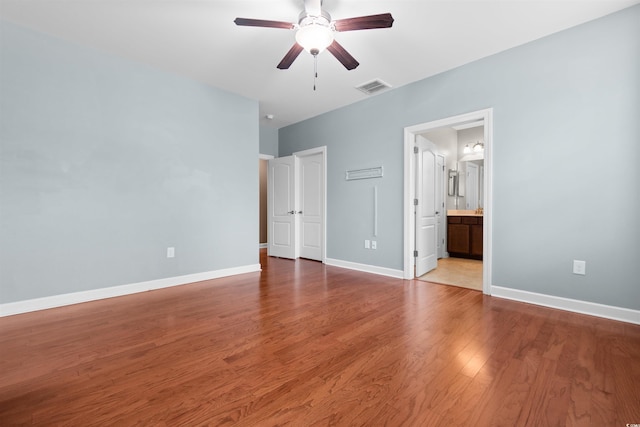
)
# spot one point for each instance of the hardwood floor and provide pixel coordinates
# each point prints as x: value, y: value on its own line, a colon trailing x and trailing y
x: 304, y: 344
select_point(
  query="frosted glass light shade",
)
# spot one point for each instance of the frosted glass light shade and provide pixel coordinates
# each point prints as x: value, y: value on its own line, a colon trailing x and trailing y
x: 314, y: 37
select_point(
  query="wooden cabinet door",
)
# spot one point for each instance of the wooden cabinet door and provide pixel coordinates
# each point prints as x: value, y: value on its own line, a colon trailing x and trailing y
x: 476, y: 240
x: 458, y: 239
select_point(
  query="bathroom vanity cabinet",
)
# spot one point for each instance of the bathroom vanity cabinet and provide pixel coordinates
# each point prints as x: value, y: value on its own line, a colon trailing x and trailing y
x: 464, y: 236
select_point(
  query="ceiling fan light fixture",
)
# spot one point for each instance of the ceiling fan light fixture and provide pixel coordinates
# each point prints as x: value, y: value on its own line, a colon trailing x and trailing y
x: 314, y: 37
x: 315, y: 33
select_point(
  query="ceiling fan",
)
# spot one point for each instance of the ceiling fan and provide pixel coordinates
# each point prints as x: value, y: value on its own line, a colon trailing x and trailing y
x: 315, y: 32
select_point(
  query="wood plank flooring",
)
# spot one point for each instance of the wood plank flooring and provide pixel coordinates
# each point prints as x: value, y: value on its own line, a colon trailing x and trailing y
x: 305, y: 344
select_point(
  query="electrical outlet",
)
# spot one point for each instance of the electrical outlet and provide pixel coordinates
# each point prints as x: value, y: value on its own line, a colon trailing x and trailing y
x: 374, y: 244
x: 579, y: 267
x: 171, y: 252
x: 367, y: 244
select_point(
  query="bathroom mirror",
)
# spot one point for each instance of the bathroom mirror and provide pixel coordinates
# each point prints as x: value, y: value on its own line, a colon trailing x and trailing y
x: 453, y: 182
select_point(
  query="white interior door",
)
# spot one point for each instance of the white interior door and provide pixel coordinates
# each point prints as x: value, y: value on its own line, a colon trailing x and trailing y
x: 425, y: 208
x: 311, y: 203
x: 281, y: 210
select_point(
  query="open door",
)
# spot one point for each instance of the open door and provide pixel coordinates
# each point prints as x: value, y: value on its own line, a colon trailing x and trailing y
x: 425, y: 207
x: 281, y: 211
x: 311, y: 202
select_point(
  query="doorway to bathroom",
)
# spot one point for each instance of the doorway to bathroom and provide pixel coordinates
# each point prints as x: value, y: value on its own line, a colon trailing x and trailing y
x: 464, y: 142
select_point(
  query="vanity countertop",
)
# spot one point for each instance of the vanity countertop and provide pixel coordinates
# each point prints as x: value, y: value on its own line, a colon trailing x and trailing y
x: 462, y: 212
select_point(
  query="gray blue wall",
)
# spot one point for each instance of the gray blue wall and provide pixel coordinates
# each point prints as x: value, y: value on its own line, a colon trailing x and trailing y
x: 566, y: 160
x: 268, y: 140
x: 105, y: 163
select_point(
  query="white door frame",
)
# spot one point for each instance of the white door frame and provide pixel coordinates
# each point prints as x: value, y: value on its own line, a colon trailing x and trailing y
x: 409, y: 189
x: 442, y: 218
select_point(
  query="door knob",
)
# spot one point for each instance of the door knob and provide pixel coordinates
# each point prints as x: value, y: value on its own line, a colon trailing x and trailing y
x: 299, y: 212
x: 291, y: 212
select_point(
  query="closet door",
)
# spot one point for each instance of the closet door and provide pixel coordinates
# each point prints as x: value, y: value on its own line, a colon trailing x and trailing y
x: 311, y: 198
x: 281, y: 210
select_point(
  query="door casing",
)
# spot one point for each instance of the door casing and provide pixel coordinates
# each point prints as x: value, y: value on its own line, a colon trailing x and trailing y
x: 441, y: 214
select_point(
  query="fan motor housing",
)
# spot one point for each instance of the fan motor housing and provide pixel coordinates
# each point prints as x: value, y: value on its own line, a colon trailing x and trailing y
x: 306, y: 19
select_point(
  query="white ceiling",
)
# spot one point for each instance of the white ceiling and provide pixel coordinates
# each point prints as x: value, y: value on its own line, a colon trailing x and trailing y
x: 198, y: 39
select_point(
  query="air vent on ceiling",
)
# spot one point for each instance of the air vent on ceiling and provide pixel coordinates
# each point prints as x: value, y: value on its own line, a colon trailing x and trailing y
x: 374, y: 86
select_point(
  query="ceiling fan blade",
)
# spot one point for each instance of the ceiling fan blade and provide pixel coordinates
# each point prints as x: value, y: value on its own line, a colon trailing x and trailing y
x: 342, y: 55
x: 290, y: 56
x: 384, y: 20
x: 263, y: 23
x: 313, y: 7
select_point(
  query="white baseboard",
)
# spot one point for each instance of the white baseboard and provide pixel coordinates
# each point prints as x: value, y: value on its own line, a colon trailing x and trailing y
x: 18, y: 307
x: 576, y: 306
x: 383, y: 271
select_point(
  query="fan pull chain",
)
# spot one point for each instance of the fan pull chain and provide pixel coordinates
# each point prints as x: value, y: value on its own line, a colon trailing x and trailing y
x: 315, y: 70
